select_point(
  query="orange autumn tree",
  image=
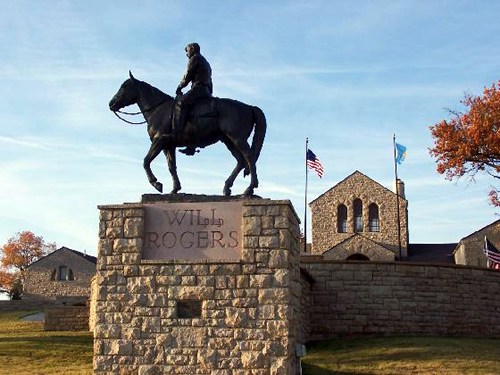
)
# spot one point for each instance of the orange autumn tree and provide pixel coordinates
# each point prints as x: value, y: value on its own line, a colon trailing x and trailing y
x: 469, y: 143
x: 19, y: 252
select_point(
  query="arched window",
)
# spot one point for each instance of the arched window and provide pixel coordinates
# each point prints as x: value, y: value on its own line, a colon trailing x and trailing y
x: 342, y: 218
x: 65, y: 274
x: 373, y: 218
x: 357, y: 257
x: 358, y: 215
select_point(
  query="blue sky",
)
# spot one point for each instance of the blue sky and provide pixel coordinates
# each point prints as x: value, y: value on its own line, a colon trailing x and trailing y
x: 347, y: 75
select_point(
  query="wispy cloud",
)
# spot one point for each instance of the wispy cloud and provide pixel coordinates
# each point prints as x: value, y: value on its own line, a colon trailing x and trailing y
x: 25, y: 142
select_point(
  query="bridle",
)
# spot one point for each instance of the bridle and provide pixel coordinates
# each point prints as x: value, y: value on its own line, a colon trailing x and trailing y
x: 137, y: 113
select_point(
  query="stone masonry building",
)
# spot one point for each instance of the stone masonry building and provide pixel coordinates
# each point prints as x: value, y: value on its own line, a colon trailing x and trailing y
x: 63, y: 275
x: 357, y: 219
x: 469, y: 250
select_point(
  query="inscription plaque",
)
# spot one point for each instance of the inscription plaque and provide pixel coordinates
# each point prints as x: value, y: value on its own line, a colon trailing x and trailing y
x: 202, y: 230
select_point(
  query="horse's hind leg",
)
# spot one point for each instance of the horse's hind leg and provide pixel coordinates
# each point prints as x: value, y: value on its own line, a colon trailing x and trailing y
x: 237, y: 169
x: 172, y: 167
x: 243, y: 147
x: 155, y: 148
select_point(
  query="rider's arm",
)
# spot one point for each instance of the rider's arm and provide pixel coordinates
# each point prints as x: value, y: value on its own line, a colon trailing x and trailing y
x: 188, y: 77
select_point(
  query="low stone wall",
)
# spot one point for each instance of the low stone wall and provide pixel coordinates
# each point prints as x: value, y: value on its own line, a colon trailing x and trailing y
x: 387, y: 298
x: 20, y: 305
x: 40, y: 304
x: 66, y: 318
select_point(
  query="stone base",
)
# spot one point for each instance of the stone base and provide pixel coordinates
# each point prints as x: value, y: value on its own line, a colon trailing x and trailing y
x: 198, y: 316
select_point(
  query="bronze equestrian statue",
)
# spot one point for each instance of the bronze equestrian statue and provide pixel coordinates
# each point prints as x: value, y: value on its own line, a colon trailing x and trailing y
x: 211, y: 120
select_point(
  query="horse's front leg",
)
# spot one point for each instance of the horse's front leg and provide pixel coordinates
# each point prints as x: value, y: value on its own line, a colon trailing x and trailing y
x: 172, y: 167
x: 156, y: 147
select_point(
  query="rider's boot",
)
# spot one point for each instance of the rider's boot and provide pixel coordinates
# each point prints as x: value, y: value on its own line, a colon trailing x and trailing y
x: 178, y: 132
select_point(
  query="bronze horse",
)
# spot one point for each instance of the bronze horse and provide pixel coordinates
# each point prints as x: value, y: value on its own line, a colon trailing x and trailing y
x: 233, y: 126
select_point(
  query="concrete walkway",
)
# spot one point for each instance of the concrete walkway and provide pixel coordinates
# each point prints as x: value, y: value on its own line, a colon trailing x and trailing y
x: 37, y: 317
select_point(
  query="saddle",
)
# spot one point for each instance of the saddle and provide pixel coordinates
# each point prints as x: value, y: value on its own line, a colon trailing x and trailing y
x: 206, y: 107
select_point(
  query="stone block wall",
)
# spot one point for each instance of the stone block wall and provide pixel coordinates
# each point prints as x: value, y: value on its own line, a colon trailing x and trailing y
x: 66, y: 318
x: 198, y: 317
x: 388, y: 298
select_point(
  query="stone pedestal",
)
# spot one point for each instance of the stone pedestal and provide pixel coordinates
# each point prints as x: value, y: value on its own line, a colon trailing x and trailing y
x: 161, y: 309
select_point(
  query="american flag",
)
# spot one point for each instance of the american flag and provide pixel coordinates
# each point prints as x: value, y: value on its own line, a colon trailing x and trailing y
x: 313, y: 162
x: 492, y: 254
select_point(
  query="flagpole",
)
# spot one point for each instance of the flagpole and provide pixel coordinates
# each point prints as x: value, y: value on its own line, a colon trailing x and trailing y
x: 397, y: 194
x: 305, y: 200
x: 487, y: 254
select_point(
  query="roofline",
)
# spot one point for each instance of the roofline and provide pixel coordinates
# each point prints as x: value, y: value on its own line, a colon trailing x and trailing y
x: 90, y: 258
x: 477, y: 231
x: 356, y: 171
x: 357, y: 234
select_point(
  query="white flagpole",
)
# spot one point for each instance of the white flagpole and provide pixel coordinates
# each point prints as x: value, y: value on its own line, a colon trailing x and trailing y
x: 305, y: 201
x: 486, y: 251
x: 397, y: 194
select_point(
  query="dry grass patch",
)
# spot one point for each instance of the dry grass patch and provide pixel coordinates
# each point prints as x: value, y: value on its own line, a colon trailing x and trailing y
x: 404, y: 355
x: 25, y: 348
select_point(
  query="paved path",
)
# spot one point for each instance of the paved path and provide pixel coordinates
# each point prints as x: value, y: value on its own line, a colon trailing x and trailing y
x: 37, y: 317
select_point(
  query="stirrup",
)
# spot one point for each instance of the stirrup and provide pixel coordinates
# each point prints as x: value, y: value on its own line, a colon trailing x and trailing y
x: 190, y: 151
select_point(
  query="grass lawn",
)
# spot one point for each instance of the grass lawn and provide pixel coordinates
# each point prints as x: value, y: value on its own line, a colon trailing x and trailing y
x: 403, y: 355
x: 25, y: 348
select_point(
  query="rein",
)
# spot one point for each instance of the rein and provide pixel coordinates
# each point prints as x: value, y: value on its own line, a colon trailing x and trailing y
x: 137, y: 113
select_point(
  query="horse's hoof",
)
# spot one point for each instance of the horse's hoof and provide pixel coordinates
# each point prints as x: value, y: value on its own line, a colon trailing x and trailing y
x: 226, y: 192
x: 158, y: 186
x: 248, y: 192
x: 175, y: 189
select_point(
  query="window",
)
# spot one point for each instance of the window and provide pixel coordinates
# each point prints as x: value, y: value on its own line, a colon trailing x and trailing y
x: 65, y: 273
x: 358, y: 215
x: 373, y: 218
x: 342, y: 218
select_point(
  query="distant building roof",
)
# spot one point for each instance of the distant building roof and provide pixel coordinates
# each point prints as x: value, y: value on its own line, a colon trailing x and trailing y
x: 479, y: 230
x: 90, y: 258
x: 431, y: 252
x: 83, y: 255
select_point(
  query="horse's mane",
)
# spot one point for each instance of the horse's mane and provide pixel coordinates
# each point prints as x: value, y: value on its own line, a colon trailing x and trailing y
x: 155, y: 92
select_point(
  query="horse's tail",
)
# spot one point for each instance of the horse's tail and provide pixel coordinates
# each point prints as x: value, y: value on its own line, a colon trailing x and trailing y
x: 259, y: 132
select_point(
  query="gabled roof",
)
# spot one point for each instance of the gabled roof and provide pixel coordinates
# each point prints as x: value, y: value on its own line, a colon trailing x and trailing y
x: 356, y: 172
x: 479, y: 230
x: 90, y: 258
x: 431, y: 252
x: 353, y: 237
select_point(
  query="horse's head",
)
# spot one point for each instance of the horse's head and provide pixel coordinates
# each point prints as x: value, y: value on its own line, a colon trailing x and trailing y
x: 126, y: 95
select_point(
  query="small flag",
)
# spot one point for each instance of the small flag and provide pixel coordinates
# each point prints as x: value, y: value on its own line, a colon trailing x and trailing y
x: 400, y: 153
x: 492, y: 254
x: 313, y: 162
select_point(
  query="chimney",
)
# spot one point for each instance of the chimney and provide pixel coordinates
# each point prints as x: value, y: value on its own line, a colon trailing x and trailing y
x: 400, y: 186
